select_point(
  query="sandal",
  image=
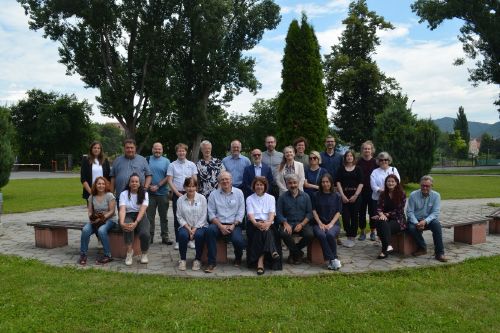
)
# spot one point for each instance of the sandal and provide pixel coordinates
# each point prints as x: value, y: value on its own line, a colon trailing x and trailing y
x: 260, y: 270
x: 83, y: 259
x: 103, y: 260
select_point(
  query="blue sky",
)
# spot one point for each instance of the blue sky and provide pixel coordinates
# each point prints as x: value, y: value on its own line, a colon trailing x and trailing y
x: 420, y: 59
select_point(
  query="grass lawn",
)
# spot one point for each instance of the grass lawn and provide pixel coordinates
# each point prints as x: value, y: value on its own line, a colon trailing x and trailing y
x: 446, y: 298
x: 466, y: 172
x: 25, y: 195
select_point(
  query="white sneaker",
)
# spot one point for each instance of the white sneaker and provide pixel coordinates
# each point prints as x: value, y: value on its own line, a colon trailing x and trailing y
x: 336, y: 264
x: 196, y: 265
x: 144, y: 258
x: 348, y: 243
x: 128, y: 259
x: 182, y: 265
x: 191, y: 245
x: 390, y: 249
x: 176, y: 247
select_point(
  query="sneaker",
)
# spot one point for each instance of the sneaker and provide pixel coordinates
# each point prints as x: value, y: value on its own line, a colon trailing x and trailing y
x: 176, y: 247
x: 362, y: 236
x: 210, y: 269
x: 336, y: 264
x: 144, y: 258
x: 191, y: 245
x: 103, y: 260
x: 196, y: 265
x: 128, y: 259
x: 373, y: 236
x: 390, y: 249
x: 83, y: 259
x: 441, y: 258
x: 166, y: 241
x: 348, y: 243
x: 182, y: 265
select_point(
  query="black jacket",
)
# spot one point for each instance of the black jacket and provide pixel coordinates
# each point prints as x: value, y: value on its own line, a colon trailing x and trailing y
x: 86, y: 173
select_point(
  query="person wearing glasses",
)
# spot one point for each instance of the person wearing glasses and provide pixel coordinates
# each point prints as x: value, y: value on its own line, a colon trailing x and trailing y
x: 313, y: 174
x: 378, y: 176
x: 256, y: 169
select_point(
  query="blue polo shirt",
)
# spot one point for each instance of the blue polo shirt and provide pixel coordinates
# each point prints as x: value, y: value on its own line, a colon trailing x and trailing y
x: 159, y: 167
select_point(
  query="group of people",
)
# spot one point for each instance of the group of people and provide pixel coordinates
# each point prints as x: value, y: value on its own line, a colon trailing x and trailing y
x: 274, y: 196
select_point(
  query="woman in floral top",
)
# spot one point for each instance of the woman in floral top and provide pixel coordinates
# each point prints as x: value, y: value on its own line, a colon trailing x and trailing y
x: 209, y: 169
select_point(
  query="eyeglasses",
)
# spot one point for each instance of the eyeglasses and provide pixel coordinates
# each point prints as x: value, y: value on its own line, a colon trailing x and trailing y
x: 256, y: 155
x: 384, y: 160
x: 330, y: 142
x: 313, y: 158
x: 425, y: 186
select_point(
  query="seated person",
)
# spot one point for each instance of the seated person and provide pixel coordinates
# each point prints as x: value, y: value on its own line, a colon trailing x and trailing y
x: 327, y: 207
x: 226, y: 209
x: 390, y: 218
x: 294, y: 212
x: 261, y: 209
x: 101, y: 209
x: 423, y: 210
x: 133, y: 220
x: 192, y: 217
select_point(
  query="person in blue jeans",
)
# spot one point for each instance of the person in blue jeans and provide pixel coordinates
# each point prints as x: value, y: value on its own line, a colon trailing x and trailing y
x: 422, y: 212
x: 101, y: 210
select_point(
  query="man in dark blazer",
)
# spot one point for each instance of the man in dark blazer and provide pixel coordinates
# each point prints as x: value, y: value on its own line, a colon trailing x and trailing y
x: 257, y: 168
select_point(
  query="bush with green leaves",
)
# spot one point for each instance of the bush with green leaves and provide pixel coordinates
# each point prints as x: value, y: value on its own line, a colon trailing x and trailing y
x: 6, y: 153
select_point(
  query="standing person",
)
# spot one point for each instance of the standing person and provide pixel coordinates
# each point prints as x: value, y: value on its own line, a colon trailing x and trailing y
x: 256, y: 169
x: 327, y: 207
x: 226, y: 209
x: 93, y: 165
x: 313, y: 174
x: 350, y: 184
x: 377, y: 179
x: 158, y: 193
x: 236, y: 163
x: 209, y: 169
x: 293, y: 213
x: 101, y: 210
x: 423, y: 211
x: 330, y: 159
x: 289, y: 166
x: 177, y: 172
x: 124, y: 166
x: 133, y: 219
x: 272, y: 158
x: 367, y: 164
x: 261, y: 210
x: 390, y: 213
x: 193, y: 224
x: 300, y: 145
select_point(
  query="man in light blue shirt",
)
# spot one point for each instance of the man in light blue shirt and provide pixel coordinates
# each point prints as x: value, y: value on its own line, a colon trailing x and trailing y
x: 423, y: 214
x: 226, y: 208
x: 236, y: 163
x: 158, y: 192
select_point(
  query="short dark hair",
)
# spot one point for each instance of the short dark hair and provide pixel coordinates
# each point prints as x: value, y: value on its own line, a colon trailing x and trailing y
x: 190, y: 180
x: 128, y: 141
x: 299, y: 140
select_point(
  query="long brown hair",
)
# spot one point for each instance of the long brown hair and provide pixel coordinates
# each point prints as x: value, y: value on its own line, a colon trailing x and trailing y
x: 94, y: 187
x: 397, y: 193
x: 100, y: 157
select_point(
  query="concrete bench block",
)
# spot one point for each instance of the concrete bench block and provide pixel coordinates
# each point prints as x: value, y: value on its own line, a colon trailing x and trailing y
x: 118, y: 247
x: 403, y: 243
x: 50, y: 238
x: 221, y: 257
x: 315, y: 252
x: 494, y: 226
x: 470, y: 233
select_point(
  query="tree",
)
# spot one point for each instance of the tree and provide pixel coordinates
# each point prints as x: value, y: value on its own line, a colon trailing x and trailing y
x: 354, y: 82
x: 302, y: 102
x: 111, y: 138
x: 48, y: 124
x: 261, y: 122
x: 123, y: 48
x: 460, y: 124
x: 458, y: 145
x: 487, y: 144
x: 210, y: 65
x: 479, y: 34
x: 411, y: 142
x: 6, y: 153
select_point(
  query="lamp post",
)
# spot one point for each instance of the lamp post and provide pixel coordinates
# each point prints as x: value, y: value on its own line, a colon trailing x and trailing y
x: 411, y: 105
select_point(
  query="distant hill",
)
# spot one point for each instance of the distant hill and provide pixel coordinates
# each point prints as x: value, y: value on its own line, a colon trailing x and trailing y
x: 476, y: 129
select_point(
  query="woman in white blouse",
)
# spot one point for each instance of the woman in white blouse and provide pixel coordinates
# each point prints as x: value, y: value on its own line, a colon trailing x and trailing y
x: 192, y: 217
x: 289, y: 165
x: 261, y: 209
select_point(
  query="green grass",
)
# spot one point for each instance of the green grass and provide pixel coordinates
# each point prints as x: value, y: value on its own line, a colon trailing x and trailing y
x: 463, y: 187
x: 466, y: 172
x: 25, y: 195
x: 446, y: 298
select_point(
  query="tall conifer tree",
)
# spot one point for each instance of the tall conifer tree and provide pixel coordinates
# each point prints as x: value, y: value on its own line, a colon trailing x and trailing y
x: 302, y: 102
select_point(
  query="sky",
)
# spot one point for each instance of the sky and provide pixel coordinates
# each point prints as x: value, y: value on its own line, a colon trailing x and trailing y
x: 421, y: 60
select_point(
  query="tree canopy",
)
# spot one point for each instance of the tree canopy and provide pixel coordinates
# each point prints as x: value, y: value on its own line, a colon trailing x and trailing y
x: 354, y: 82
x: 462, y: 125
x: 6, y: 153
x: 479, y: 35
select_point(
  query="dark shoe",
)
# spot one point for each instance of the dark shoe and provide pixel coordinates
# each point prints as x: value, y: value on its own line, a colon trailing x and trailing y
x: 103, y: 260
x: 290, y: 260
x: 298, y: 258
x: 237, y: 262
x: 210, y: 269
x: 166, y: 241
x: 382, y: 256
x: 83, y: 259
x: 260, y: 270
x: 420, y: 252
x: 441, y: 258
x: 151, y: 240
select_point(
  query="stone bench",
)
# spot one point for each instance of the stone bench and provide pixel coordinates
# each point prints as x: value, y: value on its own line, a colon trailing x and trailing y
x: 403, y: 243
x: 494, y: 223
x: 315, y: 252
x: 221, y: 257
x: 468, y: 229
x: 52, y: 234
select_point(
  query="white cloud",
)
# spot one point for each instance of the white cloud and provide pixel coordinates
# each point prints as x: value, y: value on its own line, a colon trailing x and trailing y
x: 317, y: 9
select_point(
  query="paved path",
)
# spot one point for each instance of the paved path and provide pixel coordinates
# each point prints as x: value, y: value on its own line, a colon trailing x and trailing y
x: 18, y: 239
x: 42, y: 174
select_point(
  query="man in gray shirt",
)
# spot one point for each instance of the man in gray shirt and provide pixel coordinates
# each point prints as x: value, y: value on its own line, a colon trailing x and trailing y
x: 272, y: 158
x: 124, y: 166
x: 226, y: 209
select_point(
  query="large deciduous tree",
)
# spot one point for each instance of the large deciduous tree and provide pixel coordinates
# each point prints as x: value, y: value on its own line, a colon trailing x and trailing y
x: 479, y: 35
x: 302, y: 103
x: 123, y: 48
x: 411, y: 142
x: 6, y: 153
x: 48, y: 124
x: 354, y: 82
